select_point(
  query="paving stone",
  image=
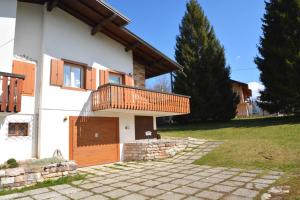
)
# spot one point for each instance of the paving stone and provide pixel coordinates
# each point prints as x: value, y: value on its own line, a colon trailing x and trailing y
x: 256, y: 186
x: 200, y: 185
x: 137, y: 180
x: 36, y: 191
x: 181, y: 181
x: 193, y: 198
x: 186, y: 190
x: 151, y: 192
x: 263, y: 181
x: 69, y: 190
x: 171, y: 195
x: 46, y: 195
x: 212, y: 180
x: 116, y: 193
x: 271, y: 177
x: 134, y: 197
x: 205, y: 174
x: 150, y: 176
x: 81, y: 182
x: 234, y: 197
x: 25, y: 198
x: 96, y: 197
x: 230, y: 173
x: 242, y: 179
x: 103, y: 189
x: 222, y: 188
x: 210, y: 195
x: 165, y: 179
x: 60, y: 197
x: 194, y: 177
x: 108, y: 181
x: 177, y: 175
x: 222, y: 176
x: 134, y: 188
x: 121, y: 184
x: 233, y: 183
x: 60, y: 187
x: 167, y: 186
x: 150, y: 183
x: 12, y: 196
x: 245, y: 193
x: 90, y: 185
x: 80, y: 195
x: 248, y: 174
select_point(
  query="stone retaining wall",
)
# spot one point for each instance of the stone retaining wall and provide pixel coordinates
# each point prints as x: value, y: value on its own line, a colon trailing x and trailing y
x: 22, y: 176
x: 152, y: 149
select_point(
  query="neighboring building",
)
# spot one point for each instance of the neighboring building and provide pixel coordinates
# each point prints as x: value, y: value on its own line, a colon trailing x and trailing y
x: 72, y: 81
x: 244, y: 107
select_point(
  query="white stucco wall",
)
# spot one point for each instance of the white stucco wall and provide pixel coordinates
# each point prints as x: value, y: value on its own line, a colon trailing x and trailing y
x: 7, y: 30
x: 20, y: 148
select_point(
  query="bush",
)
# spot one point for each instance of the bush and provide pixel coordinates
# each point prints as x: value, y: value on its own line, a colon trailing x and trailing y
x: 12, y: 163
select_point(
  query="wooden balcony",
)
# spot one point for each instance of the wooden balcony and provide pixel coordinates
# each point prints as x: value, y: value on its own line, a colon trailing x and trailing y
x: 111, y: 96
x: 11, y: 86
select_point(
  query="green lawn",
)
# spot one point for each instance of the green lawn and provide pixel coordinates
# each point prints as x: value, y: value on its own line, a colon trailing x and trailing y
x: 265, y: 143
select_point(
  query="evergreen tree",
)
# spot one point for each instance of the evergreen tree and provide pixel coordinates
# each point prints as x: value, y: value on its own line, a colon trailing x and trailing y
x: 205, y: 76
x: 279, y: 59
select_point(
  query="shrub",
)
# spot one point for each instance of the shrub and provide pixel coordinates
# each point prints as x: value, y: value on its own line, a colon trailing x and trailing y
x: 12, y: 163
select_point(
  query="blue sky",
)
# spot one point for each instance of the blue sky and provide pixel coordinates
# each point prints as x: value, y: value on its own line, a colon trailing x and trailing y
x: 237, y: 24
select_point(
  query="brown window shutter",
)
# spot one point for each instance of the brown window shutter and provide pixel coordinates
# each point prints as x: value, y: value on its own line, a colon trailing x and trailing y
x: 104, y: 77
x: 57, y: 72
x: 94, y: 79
x: 28, y: 70
x: 128, y: 80
x: 88, y: 78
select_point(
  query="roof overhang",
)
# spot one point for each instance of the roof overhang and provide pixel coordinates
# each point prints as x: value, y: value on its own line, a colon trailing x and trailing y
x: 245, y: 87
x: 107, y: 20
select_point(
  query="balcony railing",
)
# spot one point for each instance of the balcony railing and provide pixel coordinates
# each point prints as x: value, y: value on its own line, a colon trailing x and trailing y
x: 111, y: 96
x: 11, y: 86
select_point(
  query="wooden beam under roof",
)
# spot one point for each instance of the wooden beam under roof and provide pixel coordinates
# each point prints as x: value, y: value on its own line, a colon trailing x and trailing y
x: 132, y: 46
x: 102, y: 23
x: 52, y: 4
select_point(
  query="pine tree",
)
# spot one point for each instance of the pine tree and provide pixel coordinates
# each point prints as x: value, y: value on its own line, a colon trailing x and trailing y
x: 279, y: 59
x: 205, y: 76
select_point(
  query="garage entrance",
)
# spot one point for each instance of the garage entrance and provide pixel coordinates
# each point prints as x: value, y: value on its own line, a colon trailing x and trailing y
x: 94, y: 140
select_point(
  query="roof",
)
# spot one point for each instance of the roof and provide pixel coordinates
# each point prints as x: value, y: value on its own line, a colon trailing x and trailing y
x: 245, y: 87
x: 102, y: 17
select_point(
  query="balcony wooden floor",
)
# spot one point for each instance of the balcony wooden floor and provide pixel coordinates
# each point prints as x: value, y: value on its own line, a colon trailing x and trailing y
x: 111, y: 96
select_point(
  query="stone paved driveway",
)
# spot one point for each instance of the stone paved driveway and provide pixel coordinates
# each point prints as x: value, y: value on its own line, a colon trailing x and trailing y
x: 170, y: 179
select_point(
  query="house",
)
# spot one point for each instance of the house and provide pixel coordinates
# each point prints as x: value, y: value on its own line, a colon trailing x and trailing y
x: 72, y: 81
x: 244, y: 106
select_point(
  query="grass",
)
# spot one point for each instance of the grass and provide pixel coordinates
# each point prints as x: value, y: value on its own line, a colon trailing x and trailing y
x: 48, y: 183
x: 265, y: 143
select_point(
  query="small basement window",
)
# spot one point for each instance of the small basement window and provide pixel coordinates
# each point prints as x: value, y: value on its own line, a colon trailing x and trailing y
x: 18, y: 129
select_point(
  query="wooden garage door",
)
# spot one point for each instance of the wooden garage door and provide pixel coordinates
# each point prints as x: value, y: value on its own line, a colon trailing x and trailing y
x: 142, y: 125
x: 94, y: 140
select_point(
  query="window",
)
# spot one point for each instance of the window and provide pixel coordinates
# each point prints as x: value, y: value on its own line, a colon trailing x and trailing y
x: 115, y: 78
x: 18, y: 129
x: 73, y: 75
